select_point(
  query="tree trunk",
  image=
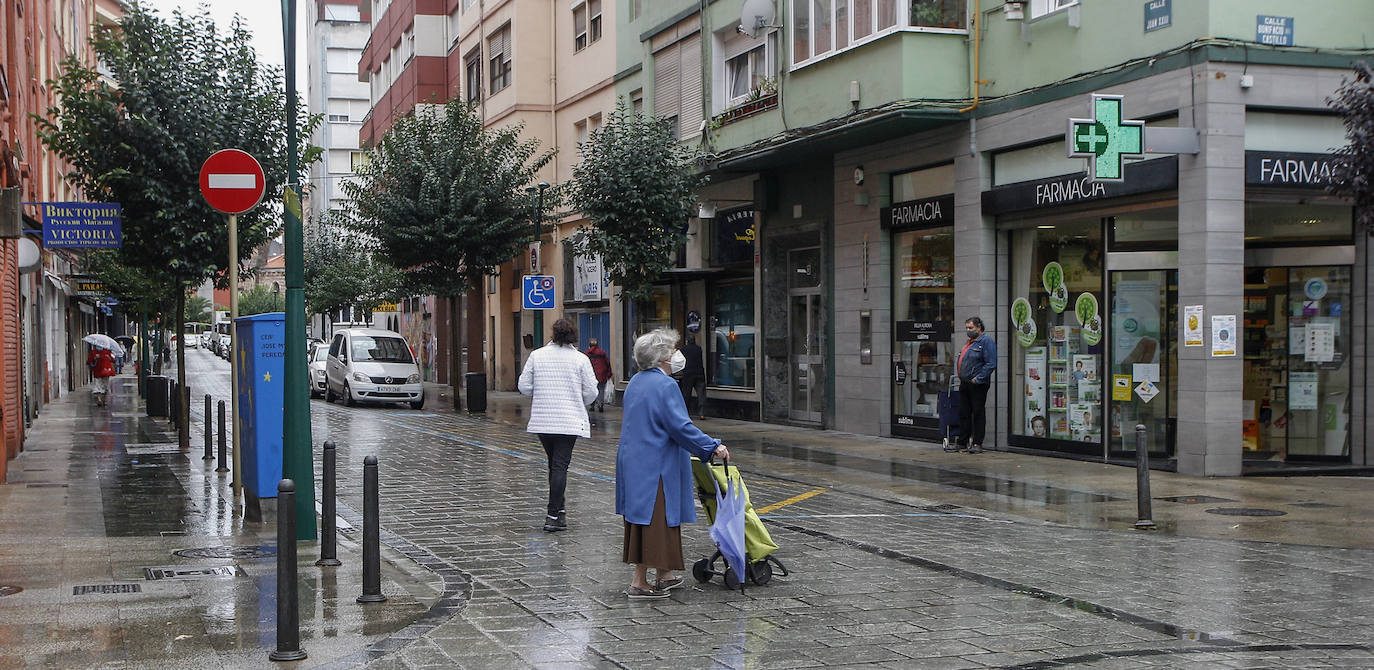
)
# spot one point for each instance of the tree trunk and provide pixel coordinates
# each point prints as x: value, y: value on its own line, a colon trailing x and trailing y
x: 455, y: 350
x: 183, y: 430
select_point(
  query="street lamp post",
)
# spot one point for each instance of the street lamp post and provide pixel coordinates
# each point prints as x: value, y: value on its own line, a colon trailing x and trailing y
x: 297, y: 456
x: 536, y: 259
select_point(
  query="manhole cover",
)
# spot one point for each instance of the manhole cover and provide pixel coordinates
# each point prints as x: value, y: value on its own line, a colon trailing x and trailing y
x: 1193, y: 500
x: 104, y: 589
x: 175, y: 572
x: 9, y: 589
x: 1301, y: 504
x: 1245, y: 511
x: 237, y: 553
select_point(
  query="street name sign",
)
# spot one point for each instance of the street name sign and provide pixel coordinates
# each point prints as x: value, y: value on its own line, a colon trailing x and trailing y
x: 232, y: 181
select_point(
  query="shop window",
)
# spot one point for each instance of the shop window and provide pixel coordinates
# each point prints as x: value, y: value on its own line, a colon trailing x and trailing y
x: 923, y: 323
x: 731, y: 343
x: 1147, y: 230
x: 1296, y: 349
x: 1058, y: 331
x: 656, y: 312
x: 1273, y: 224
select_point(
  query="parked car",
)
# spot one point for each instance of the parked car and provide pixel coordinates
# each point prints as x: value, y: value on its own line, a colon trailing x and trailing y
x: 373, y: 365
x: 207, y: 339
x: 224, y: 347
x: 319, y: 355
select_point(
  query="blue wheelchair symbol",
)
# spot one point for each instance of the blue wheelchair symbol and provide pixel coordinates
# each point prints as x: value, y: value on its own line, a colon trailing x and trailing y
x: 538, y: 292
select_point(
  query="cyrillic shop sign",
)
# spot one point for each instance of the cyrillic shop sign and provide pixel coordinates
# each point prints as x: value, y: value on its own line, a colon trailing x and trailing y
x: 81, y: 225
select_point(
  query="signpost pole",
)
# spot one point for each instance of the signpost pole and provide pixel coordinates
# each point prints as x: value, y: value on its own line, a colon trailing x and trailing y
x: 234, y: 350
x: 297, y: 455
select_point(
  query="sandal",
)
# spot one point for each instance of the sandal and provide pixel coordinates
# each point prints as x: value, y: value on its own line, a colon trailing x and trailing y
x: 670, y: 584
x: 636, y: 593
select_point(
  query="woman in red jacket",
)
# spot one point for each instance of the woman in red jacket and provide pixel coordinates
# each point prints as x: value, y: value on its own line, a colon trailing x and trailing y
x: 102, y: 365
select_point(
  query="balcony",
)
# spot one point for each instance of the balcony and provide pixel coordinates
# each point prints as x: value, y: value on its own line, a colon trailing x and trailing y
x: 760, y: 99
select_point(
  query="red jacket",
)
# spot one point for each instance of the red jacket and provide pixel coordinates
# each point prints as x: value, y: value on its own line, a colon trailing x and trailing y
x: 102, y: 362
x: 601, y: 363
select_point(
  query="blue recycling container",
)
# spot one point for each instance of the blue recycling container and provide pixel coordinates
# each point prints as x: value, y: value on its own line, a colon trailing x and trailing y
x: 261, y: 357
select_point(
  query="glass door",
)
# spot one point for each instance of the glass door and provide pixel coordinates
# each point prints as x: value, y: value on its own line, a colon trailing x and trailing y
x: 806, y: 337
x: 1144, y: 346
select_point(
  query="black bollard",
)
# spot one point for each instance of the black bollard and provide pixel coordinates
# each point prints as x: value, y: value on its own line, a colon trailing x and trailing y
x: 174, y: 408
x: 328, y: 510
x: 223, y: 449
x: 209, y: 432
x: 1142, y: 481
x: 288, y: 605
x: 372, y: 554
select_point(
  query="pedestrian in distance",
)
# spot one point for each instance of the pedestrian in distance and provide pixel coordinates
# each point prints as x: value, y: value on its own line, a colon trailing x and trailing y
x: 119, y: 357
x: 653, y: 469
x: 601, y: 368
x: 102, y: 366
x: 692, y: 381
x: 559, y: 378
x: 977, y: 361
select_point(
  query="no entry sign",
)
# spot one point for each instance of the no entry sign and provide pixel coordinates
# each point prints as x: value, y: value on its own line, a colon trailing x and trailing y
x: 231, y: 181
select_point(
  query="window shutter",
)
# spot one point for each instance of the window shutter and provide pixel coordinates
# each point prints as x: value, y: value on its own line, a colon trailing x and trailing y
x: 667, y: 82
x: 691, y: 113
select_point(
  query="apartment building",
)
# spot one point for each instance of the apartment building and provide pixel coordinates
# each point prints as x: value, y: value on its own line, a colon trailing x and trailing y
x: 882, y: 170
x: 41, y: 316
x: 546, y: 67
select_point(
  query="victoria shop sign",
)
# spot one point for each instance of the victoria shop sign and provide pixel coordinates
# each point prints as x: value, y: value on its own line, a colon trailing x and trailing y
x: 88, y: 225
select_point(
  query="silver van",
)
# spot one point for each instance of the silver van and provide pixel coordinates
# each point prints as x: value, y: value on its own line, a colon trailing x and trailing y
x: 373, y: 365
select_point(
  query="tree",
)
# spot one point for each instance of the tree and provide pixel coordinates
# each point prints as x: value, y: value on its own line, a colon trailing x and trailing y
x: 340, y: 274
x: 182, y: 90
x: 637, y: 185
x: 260, y: 300
x: 440, y: 198
x: 197, y: 310
x: 1353, y: 176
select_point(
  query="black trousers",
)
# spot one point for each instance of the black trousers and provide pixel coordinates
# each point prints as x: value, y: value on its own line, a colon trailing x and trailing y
x: 559, y: 450
x: 693, y: 385
x: 972, y: 398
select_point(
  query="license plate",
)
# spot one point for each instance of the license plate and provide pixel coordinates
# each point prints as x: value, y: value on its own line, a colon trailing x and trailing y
x: 388, y: 389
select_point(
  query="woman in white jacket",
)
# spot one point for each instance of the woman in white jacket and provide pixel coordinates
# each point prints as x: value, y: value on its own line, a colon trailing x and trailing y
x: 561, y: 381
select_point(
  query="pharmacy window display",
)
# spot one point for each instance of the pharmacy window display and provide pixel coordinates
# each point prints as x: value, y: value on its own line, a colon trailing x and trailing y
x: 923, y: 325
x: 1058, y: 329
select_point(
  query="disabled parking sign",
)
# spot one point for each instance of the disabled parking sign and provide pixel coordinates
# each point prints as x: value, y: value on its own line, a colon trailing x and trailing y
x: 537, y: 292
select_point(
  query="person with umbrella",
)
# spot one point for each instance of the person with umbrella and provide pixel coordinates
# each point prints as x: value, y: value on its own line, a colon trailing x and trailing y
x: 101, y: 363
x: 653, y: 472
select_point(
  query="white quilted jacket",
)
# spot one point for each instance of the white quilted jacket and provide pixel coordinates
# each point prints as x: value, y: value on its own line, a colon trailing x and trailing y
x: 561, y: 380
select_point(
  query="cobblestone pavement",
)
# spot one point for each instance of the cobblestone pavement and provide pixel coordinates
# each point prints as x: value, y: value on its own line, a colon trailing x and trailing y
x: 877, y: 580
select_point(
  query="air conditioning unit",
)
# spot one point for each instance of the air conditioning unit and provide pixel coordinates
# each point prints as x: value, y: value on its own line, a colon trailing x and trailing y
x: 11, y: 221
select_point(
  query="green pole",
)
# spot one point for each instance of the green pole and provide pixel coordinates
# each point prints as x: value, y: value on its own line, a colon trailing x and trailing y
x: 297, y: 457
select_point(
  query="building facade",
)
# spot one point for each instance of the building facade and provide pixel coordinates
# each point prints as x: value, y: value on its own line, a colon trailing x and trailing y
x: 882, y: 170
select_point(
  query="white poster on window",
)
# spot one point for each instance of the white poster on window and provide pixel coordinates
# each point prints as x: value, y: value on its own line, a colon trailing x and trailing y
x: 587, y: 277
x: 1035, y: 392
x: 1302, y: 390
x: 1320, y: 346
x: 1224, y: 335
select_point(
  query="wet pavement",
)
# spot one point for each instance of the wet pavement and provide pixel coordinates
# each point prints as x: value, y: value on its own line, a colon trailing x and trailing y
x: 128, y: 554
x: 900, y: 555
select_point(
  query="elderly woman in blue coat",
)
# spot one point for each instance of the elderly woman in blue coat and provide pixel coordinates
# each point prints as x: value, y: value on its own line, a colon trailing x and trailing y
x: 653, y: 470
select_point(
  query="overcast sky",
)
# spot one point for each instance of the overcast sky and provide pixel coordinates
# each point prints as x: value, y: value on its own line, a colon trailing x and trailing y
x: 263, y: 18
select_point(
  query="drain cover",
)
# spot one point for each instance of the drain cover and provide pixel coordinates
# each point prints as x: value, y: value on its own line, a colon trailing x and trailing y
x: 237, y: 553
x: 9, y: 589
x: 103, y: 589
x: 1193, y: 500
x: 1299, y: 504
x: 175, y: 572
x: 1245, y: 511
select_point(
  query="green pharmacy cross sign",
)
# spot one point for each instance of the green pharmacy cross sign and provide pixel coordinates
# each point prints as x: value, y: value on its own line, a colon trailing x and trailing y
x: 1106, y: 140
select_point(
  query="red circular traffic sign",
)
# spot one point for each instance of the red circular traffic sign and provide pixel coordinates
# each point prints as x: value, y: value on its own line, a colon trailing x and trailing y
x: 231, y: 181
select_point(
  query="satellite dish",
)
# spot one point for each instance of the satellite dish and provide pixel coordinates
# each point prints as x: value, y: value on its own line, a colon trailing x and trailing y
x: 756, y: 15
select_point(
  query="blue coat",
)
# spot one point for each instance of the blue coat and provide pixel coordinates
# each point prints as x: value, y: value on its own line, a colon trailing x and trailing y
x: 657, y: 440
x: 980, y: 360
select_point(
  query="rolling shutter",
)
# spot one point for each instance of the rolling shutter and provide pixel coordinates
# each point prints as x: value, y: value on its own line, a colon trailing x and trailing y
x: 667, y: 82
x: 690, y: 115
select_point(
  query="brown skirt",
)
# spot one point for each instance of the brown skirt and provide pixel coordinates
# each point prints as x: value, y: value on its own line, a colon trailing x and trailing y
x: 656, y: 545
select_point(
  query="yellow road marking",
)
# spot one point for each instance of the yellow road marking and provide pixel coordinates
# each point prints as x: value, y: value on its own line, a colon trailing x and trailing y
x: 794, y: 499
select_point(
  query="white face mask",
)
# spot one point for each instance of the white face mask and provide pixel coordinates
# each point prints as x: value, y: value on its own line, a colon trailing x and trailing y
x: 677, y: 362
